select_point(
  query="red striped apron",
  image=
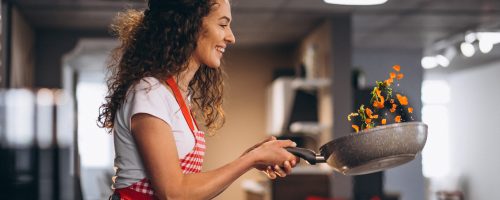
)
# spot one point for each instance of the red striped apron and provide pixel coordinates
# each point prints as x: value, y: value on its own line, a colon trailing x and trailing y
x: 191, y: 163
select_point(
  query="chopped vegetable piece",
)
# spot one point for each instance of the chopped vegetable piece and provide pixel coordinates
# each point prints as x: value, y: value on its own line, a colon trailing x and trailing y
x: 388, y: 82
x: 378, y: 104
x: 393, y: 108
x: 403, y: 100
x: 368, y: 126
x: 396, y: 67
x: 381, y: 95
x: 356, y: 128
x: 392, y: 75
x: 352, y: 115
x: 397, y: 119
x: 369, y: 112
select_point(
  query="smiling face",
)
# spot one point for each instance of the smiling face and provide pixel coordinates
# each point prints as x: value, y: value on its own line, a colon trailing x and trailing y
x: 215, y: 35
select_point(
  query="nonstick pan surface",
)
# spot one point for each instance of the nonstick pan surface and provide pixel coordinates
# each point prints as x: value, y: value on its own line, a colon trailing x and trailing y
x: 370, y: 150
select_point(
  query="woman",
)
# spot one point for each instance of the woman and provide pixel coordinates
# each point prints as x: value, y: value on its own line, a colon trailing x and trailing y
x: 169, y: 57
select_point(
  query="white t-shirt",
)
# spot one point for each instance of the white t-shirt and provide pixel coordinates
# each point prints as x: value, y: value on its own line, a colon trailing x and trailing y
x: 151, y: 97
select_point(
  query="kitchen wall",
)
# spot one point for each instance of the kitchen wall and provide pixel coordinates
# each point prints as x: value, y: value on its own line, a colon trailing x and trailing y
x: 249, y: 72
x: 474, y: 130
x: 407, y: 180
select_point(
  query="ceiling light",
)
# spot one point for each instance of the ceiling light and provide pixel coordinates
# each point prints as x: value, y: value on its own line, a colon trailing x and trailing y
x: 442, y: 60
x: 356, y: 2
x: 487, y: 40
x: 470, y: 37
x: 485, y: 46
x: 467, y: 49
x: 429, y: 62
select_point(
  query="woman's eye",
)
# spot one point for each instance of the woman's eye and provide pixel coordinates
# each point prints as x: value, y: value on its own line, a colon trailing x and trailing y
x: 223, y: 25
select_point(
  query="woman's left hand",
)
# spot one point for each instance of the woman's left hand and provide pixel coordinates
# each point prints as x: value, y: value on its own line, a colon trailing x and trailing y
x: 272, y: 172
x: 281, y: 171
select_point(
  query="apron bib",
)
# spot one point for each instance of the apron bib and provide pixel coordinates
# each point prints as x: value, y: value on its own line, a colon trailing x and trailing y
x: 191, y: 163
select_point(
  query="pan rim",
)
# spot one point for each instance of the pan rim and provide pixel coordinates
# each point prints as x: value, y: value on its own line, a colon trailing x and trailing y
x: 390, y: 126
x: 369, y: 132
x: 376, y: 130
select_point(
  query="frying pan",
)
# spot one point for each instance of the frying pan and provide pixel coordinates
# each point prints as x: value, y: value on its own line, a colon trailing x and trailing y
x: 371, y: 150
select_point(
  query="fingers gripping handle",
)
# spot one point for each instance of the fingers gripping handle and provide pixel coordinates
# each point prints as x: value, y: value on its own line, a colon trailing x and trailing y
x: 310, y: 156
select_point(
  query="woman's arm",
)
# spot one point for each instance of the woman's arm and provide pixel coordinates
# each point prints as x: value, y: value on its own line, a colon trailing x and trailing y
x: 159, y: 153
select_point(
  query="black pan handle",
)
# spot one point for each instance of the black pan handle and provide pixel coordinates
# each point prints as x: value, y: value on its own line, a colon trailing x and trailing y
x: 310, y: 156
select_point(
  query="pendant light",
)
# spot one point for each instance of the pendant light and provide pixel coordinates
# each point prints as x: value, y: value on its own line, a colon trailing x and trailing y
x: 356, y: 2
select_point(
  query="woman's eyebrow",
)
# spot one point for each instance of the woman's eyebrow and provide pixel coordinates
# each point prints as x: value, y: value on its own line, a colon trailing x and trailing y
x: 226, y: 18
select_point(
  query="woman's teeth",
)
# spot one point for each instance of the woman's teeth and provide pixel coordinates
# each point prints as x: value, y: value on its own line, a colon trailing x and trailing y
x: 220, y: 49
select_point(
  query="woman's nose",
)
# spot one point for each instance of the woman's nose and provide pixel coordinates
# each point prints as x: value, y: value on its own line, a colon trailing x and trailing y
x: 230, y: 37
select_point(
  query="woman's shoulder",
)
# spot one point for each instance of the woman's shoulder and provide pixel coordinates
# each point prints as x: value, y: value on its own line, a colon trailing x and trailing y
x: 149, y: 95
x: 152, y: 88
x: 148, y: 83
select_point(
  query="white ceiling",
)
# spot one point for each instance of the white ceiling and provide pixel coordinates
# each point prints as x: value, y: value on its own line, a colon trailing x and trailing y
x: 409, y: 24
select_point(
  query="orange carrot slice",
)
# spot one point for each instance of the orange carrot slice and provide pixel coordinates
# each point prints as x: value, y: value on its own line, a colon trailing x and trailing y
x: 389, y: 81
x: 392, y: 75
x: 403, y: 100
x: 356, y: 128
x: 397, y: 119
x: 396, y: 67
x: 368, y: 112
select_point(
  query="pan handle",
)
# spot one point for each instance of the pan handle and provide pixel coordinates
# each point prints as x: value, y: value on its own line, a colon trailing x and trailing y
x: 310, y: 156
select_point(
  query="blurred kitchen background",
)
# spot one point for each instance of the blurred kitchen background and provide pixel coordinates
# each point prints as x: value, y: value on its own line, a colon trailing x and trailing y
x: 298, y: 68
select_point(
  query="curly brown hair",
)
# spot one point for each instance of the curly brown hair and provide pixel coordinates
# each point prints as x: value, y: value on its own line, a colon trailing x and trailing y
x: 158, y: 42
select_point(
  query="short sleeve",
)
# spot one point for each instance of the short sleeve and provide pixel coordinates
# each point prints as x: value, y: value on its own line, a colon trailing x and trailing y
x: 149, y: 96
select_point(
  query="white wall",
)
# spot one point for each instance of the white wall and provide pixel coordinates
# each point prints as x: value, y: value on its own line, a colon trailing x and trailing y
x: 475, y: 133
x: 406, y: 180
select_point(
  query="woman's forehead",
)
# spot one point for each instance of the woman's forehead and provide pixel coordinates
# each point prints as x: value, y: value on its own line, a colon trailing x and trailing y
x: 222, y: 8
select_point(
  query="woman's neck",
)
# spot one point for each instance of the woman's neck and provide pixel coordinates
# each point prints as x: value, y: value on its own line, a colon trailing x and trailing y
x: 185, y: 77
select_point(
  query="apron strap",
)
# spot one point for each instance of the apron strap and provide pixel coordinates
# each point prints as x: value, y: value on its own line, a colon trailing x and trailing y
x: 178, y: 97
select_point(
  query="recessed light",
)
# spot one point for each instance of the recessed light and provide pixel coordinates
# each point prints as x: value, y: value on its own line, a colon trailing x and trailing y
x: 356, y: 2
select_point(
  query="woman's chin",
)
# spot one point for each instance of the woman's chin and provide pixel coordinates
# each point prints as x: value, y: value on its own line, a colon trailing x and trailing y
x: 214, y: 65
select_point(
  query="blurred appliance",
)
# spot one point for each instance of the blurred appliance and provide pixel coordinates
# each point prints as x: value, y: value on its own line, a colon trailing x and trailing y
x: 292, y: 105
